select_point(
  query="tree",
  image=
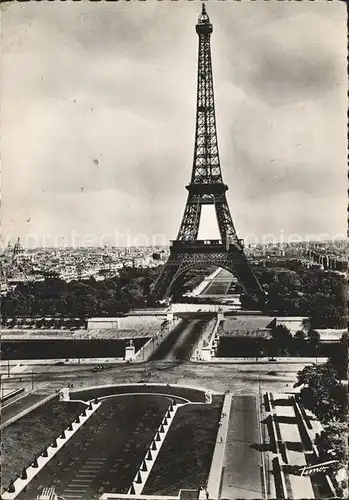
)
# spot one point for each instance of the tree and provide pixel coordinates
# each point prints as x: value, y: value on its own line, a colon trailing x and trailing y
x: 339, y: 396
x: 322, y: 392
x: 313, y: 338
x: 299, y: 342
x: 309, y: 292
x: 332, y: 443
x: 313, y: 341
x: 339, y: 357
x: 282, y: 340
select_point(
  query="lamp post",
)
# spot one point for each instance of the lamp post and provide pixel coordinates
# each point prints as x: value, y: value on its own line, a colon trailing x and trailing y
x: 8, y: 361
x: 259, y: 386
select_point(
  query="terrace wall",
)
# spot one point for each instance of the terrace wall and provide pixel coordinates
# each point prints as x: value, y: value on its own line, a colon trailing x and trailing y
x: 144, y: 353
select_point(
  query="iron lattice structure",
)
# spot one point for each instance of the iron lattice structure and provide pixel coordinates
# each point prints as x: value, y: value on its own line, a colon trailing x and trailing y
x: 206, y: 188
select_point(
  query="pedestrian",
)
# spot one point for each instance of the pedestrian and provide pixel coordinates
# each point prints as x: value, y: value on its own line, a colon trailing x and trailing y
x: 221, y: 439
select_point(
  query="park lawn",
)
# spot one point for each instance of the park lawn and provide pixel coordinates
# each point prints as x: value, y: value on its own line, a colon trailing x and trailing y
x: 217, y: 288
x: 25, y: 439
x: 184, y: 460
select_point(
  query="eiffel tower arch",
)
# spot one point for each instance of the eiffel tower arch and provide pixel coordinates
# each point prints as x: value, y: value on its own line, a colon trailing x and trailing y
x: 206, y: 188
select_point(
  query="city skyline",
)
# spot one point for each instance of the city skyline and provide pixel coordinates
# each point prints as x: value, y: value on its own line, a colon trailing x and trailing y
x: 105, y: 119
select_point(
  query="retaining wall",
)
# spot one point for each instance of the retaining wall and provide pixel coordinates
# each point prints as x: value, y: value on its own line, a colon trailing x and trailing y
x: 27, y: 410
x: 149, y: 347
x: 216, y: 470
x: 268, y: 361
x: 11, y: 395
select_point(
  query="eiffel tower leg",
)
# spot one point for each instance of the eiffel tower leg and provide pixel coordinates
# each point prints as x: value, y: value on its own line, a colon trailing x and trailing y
x: 175, y: 267
x: 240, y: 267
x: 163, y: 284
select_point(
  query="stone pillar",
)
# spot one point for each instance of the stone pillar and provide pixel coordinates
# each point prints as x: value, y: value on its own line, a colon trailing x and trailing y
x: 206, y: 352
x: 220, y: 316
x: 64, y: 394
x: 130, y: 351
x: 208, y: 396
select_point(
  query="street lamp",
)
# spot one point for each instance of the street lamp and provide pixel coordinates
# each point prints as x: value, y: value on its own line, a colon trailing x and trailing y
x: 8, y: 361
x: 259, y: 386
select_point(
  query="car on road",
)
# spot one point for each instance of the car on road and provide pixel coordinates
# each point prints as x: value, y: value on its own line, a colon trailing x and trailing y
x: 98, y: 368
x: 273, y: 373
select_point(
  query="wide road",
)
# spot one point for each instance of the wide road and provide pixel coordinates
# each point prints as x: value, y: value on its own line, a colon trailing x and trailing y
x: 240, y: 378
x: 242, y: 476
x: 180, y: 342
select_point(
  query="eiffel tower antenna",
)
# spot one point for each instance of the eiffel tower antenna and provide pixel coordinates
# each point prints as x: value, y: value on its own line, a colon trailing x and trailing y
x: 206, y: 188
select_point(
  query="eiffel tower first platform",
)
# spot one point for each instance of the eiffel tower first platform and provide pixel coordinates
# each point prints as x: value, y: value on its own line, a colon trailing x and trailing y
x: 206, y: 188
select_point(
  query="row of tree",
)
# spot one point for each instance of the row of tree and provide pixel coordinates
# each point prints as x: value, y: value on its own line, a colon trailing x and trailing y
x: 297, y: 291
x: 289, y: 291
x: 80, y: 299
x: 283, y: 343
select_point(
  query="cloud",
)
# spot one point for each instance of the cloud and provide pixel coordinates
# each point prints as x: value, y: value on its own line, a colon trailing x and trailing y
x: 116, y: 83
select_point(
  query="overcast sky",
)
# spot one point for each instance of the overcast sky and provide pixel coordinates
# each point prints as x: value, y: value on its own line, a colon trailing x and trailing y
x: 98, y: 116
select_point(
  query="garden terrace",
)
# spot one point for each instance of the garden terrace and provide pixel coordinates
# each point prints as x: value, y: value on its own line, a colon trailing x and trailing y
x: 185, y: 458
x: 24, y: 439
x: 106, y: 452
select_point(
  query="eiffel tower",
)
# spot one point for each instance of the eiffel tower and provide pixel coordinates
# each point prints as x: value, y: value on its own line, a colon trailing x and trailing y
x: 206, y: 188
